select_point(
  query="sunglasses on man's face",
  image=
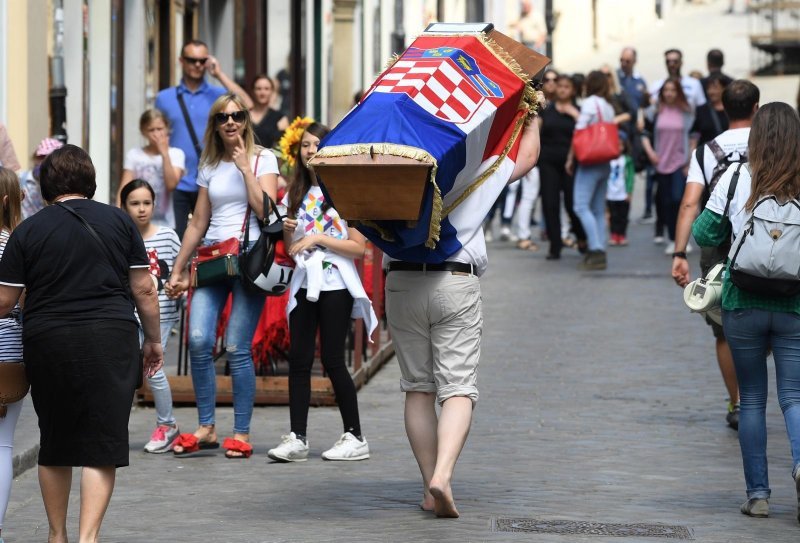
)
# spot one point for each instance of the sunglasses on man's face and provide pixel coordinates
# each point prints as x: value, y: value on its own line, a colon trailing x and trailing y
x: 549, y: 79
x: 673, y: 61
x: 192, y: 60
x: 237, y: 116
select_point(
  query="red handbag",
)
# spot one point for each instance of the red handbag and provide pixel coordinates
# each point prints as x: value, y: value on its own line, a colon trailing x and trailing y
x: 597, y: 143
x: 216, y: 262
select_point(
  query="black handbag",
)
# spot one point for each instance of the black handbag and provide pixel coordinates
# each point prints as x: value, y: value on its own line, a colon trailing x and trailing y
x: 261, y: 268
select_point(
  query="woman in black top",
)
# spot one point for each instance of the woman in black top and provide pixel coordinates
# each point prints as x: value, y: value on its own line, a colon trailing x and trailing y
x: 556, y: 124
x: 80, y: 339
x: 268, y: 123
x: 710, y: 119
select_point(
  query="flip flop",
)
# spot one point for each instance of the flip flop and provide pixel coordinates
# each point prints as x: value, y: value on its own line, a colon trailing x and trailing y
x: 236, y: 445
x: 190, y: 444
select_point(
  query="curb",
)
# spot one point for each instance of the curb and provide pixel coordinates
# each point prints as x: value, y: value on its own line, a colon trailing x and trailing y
x: 25, y: 460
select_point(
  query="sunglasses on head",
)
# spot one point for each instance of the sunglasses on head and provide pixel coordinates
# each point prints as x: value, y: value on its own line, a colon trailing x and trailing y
x: 237, y: 116
x: 192, y: 60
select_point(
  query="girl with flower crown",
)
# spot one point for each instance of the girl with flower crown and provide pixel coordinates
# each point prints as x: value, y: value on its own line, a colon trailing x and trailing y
x: 325, y: 293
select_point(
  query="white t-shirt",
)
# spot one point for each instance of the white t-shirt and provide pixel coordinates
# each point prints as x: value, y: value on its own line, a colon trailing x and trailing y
x: 151, y: 169
x: 692, y: 88
x: 719, y: 198
x: 311, y: 220
x: 228, y: 195
x: 616, y: 191
x: 589, y: 109
x: 731, y: 141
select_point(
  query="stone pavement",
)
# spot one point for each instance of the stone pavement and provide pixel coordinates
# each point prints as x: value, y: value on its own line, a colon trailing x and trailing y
x: 600, y: 402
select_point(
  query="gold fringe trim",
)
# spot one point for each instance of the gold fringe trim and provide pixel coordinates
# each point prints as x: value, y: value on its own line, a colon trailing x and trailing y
x: 504, y: 57
x: 405, y: 151
x: 391, y: 62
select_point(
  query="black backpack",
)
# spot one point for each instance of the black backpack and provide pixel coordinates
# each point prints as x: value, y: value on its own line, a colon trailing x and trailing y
x: 723, y: 161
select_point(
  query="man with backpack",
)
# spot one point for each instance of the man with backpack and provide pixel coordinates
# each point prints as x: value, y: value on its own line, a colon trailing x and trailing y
x: 707, y: 165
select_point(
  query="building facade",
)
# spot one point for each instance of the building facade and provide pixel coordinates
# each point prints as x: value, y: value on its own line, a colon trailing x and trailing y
x: 111, y: 57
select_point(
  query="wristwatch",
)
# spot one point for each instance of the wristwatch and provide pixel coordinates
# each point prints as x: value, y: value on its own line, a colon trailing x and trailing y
x: 679, y: 254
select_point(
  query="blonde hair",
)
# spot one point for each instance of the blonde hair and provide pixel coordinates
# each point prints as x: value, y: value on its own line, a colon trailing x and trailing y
x: 214, y: 148
x: 10, y: 210
x: 151, y: 115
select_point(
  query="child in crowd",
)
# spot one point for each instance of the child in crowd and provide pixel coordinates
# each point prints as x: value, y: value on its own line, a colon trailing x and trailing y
x: 157, y: 163
x: 325, y: 292
x: 10, y: 338
x: 29, y: 179
x: 162, y: 245
x: 618, y: 196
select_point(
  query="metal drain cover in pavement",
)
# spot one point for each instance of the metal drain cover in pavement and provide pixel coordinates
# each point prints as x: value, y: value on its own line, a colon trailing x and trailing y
x: 571, y: 527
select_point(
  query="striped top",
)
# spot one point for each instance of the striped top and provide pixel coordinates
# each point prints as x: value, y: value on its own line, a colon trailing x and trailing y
x: 162, y: 249
x: 11, y: 327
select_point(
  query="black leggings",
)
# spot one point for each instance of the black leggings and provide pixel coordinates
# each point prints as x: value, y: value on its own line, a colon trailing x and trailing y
x: 555, y: 180
x: 331, y: 313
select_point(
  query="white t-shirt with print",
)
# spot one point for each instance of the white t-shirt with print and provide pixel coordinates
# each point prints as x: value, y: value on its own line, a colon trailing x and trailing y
x: 719, y: 198
x: 228, y: 195
x: 311, y: 220
x: 151, y: 169
x: 731, y: 141
x: 617, y: 191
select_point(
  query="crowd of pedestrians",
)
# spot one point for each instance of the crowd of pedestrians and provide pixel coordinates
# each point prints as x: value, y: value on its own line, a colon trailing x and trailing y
x: 206, y: 175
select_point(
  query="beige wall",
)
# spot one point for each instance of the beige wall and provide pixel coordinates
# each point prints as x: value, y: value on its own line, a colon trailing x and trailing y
x: 26, y: 46
x: 573, y: 40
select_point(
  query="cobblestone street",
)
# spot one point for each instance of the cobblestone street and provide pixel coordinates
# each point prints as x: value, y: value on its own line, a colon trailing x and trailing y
x: 600, y: 402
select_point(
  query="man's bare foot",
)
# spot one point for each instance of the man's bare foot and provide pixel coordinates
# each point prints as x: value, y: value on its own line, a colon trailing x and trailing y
x: 443, y: 504
x: 427, y: 501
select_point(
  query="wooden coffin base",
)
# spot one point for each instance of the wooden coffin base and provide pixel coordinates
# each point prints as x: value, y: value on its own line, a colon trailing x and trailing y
x: 273, y: 390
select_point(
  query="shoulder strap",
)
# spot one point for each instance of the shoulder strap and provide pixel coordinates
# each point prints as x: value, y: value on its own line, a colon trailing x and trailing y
x: 189, y: 125
x: 97, y: 238
x: 732, y: 188
x: 719, y: 153
x: 700, y: 155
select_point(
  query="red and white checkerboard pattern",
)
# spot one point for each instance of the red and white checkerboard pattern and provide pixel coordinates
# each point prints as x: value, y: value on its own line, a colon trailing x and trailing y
x: 436, y: 85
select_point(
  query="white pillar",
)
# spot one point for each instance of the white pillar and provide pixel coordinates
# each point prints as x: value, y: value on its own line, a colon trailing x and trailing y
x: 134, y: 85
x: 100, y: 95
x: 3, y: 49
x: 73, y: 69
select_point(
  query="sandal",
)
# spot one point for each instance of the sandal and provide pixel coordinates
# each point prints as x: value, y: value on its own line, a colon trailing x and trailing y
x: 527, y: 245
x: 232, y: 445
x: 190, y: 444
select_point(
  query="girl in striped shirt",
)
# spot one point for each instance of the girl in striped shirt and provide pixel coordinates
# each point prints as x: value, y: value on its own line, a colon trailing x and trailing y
x: 10, y: 336
x: 162, y: 245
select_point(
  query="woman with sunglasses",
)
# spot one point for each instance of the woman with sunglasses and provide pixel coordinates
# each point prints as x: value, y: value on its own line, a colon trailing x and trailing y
x: 233, y: 175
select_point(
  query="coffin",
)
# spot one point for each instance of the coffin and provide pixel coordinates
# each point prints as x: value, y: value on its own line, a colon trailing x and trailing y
x: 434, y: 126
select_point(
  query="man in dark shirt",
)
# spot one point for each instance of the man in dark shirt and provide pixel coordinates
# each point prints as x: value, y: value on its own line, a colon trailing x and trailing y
x: 715, y: 60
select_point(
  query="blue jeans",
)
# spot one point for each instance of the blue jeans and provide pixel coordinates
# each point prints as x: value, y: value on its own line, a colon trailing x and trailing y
x: 158, y: 383
x: 590, y: 202
x: 750, y: 333
x: 206, y: 306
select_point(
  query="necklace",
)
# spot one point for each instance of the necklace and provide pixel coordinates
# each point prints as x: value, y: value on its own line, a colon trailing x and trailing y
x: 65, y: 197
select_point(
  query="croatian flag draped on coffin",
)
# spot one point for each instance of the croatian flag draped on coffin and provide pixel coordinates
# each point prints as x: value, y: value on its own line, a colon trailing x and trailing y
x: 454, y: 103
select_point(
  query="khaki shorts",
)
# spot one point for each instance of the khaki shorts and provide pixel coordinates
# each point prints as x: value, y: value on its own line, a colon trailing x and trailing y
x: 435, y: 320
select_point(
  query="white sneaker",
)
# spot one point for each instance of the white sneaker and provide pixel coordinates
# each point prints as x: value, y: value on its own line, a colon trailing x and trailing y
x: 505, y: 233
x: 670, y: 248
x: 487, y: 235
x: 658, y: 240
x: 689, y: 248
x: 161, y: 440
x: 291, y: 449
x: 347, y: 448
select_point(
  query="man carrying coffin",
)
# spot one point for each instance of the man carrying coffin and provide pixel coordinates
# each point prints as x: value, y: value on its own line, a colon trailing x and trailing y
x: 455, y: 127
